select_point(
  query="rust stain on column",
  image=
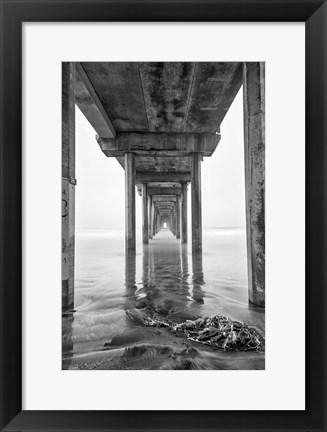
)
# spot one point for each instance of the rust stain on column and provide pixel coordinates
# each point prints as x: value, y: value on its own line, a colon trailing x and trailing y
x: 254, y: 154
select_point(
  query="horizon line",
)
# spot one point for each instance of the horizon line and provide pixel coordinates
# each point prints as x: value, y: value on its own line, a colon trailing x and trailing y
x: 119, y: 228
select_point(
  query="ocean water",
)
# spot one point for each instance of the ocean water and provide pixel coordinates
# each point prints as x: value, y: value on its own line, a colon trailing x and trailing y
x: 106, y: 330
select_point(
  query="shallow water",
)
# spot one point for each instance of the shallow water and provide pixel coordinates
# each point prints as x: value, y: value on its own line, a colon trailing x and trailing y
x: 106, y: 331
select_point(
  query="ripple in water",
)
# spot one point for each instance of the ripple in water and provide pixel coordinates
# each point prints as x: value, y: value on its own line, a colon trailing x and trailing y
x: 106, y: 331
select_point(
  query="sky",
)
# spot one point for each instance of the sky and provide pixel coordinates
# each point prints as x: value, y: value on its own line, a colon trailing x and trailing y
x: 100, y: 190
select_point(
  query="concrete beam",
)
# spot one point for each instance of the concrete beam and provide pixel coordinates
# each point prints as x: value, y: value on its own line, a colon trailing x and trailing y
x: 254, y: 156
x: 164, y: 185
x: 165, y: 208
x: 89, y: 103
x: 68, y: 185
x: 164, y: 203
x: 165, y: 213
x: 164, y: 191
x: 164, y: 198
x: 160, y: 143
x: 169, y: 176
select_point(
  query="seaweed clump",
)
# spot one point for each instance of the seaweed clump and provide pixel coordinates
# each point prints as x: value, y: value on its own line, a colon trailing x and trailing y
x: 218, y: 332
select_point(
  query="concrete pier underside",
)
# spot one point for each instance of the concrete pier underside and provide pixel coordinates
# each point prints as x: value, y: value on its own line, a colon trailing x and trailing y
x: 159, y: 120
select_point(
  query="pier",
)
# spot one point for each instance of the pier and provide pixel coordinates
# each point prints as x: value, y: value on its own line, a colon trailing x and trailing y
x: 160, y: 121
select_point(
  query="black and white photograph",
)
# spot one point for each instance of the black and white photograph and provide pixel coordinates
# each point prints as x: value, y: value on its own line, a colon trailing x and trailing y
x: 163, y: 215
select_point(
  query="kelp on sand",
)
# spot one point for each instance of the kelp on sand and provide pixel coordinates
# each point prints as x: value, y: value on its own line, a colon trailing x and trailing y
x: 218, y: 332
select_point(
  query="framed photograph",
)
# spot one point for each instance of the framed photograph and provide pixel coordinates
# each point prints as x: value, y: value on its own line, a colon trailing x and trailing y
x: 180, y: 284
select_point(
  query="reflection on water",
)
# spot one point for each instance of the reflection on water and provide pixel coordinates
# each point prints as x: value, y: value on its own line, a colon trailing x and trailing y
x: 130, y: 280
x: 114, y: 292
x: 198, y: 278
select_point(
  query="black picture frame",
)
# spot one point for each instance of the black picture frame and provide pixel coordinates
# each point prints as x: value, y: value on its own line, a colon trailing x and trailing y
x: 13, y: 14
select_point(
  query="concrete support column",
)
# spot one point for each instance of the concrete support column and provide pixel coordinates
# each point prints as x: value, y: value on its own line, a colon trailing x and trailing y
x: 68, y: 184
x: 196, y: 203
x: 254, y: 155
x: 150, y: 216
x: 173, y: 220
x: 184, y: 213
x: 178, y: 217
x: 173, y: 225
x: 145, y: 222
x: 156, y: 222
x: 130, y: 202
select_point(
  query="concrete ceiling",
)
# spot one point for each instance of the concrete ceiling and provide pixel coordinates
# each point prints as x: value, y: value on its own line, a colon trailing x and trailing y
x: 165, y: 96
x: 161, y: 111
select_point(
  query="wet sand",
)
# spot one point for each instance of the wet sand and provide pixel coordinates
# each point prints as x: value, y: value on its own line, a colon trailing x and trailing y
x: 113, y: 294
